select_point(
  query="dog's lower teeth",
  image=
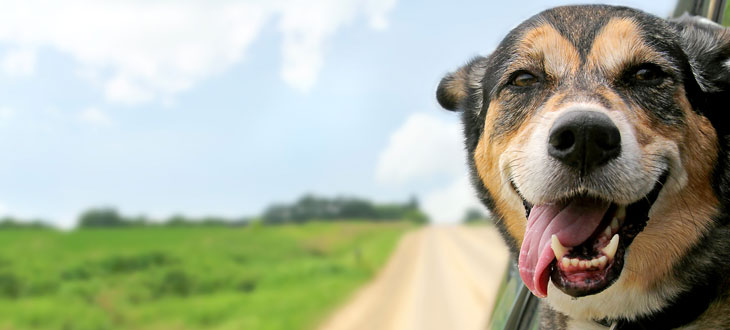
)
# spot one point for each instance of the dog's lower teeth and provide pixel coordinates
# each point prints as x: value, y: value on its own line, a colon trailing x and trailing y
x: 614, y: 224
x: 609, y: 252
x: 573, y: 263
x: 610, y: 249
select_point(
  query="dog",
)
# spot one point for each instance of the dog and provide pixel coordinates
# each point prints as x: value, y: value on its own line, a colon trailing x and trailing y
x: 597, y: 137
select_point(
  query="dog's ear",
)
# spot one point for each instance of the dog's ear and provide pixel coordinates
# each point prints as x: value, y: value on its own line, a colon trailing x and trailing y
x: 455, y: 88
x: 707, y: 45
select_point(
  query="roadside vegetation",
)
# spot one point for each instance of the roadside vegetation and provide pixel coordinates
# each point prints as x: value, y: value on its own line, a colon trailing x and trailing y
x: 255, y: 277
x: 121, y: 272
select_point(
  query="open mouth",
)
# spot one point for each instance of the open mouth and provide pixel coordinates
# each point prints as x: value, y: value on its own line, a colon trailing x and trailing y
x: 579, y: 243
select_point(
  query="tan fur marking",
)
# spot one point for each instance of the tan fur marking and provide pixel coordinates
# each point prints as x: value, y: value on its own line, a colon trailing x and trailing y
x: 486, y: 158
x: 548, y: 48
x: 679, y: 219
x: 554, y: 103
x: 643, y: 138
x: 457, y: 86
x: 619, y: 43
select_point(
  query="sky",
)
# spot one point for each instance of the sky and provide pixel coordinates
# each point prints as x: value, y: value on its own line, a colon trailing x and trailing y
x: 224, y: 107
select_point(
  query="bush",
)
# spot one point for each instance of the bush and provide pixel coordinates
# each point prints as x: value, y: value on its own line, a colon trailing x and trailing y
x: 474, y: 215
x: 173, y: 283
x: 416, y: 216
x: 10, y: 285
x: 126, y: 264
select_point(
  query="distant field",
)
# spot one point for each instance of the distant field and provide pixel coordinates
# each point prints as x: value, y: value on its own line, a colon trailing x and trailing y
x: 282, y: 277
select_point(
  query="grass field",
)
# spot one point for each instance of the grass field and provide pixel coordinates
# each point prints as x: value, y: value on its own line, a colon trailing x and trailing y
x: 258, y: 277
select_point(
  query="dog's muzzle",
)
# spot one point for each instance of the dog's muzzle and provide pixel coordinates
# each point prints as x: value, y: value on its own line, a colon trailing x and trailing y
x: 579, y: 237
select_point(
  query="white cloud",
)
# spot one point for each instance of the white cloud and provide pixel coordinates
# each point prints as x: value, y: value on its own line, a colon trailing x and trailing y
x: 18, y: 62
x: 306, y: 26
x: 449, y: 204
x: 95, y: 117
x: 146, y: 50
x: 425, y: 147
x: 125, y: 90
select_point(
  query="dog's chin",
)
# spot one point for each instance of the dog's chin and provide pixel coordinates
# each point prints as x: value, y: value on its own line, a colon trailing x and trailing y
x: 591, y: 266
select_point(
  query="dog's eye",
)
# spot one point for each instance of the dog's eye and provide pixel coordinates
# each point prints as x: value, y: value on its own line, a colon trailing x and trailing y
x: 523, y: 79
x: 648, y: 73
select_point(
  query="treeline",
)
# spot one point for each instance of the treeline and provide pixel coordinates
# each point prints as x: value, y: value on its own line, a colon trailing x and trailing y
x: 109, y: 217
x: 307, y: 208
x: 341, y: 208
x: 14, y: 223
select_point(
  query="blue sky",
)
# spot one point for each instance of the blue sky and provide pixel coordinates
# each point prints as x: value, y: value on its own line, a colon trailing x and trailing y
x: 221, y: 108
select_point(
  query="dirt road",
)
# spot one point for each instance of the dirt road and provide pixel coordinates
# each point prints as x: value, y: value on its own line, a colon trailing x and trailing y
x: 439, y: 277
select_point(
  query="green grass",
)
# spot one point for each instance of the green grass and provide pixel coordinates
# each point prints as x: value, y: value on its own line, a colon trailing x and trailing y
x: 281, y: 277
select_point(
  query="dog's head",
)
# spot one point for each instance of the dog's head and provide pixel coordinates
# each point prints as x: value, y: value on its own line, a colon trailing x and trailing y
x: 591, y: 133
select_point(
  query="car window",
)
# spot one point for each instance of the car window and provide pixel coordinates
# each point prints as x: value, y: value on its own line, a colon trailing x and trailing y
x: 516, y: 307
x: 714, y: 10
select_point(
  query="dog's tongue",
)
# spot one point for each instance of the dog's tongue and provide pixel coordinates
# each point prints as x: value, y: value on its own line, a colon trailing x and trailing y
x: 573, y: 223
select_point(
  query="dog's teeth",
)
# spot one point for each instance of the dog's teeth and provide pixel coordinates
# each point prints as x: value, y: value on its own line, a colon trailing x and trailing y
x: 558, y: 249
x: 610, y: 249
x: 602, y: 261
x: 566, y: 262
x: 574, y: 262
x: 614, y: 224
x: 582, y: 264
x: 607, y: 232
x: 595, y: 262
x: 621, y: 213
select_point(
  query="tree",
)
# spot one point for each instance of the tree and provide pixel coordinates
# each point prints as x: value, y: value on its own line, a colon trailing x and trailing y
x: 413, y: 202
x: 277, y: 214
x: 101, y: 217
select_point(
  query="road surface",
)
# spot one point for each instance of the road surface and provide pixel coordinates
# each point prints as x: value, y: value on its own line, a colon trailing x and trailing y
x: 439, y: 277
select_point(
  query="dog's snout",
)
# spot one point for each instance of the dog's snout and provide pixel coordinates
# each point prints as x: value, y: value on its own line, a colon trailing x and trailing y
x: 584, y: 140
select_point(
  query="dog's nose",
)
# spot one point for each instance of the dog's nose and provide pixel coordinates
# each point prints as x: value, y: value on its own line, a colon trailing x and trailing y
x: 584, y: 140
